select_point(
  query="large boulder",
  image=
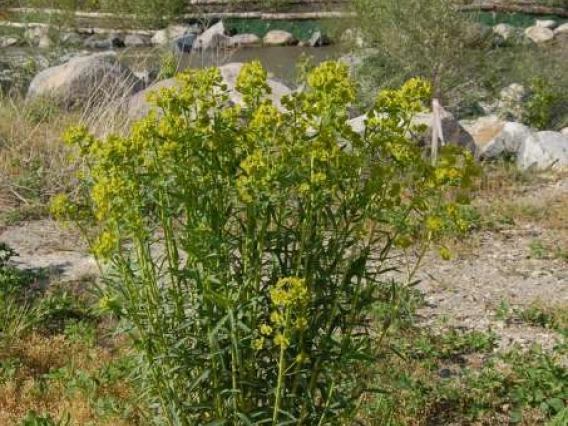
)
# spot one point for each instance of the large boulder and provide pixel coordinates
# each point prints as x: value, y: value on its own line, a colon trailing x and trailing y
x: 244, y: 40
x: 212, y: 37
x: 544, y: 150
x: 138, y: 106
x: 496, y: 138
x: 279, y: 38
x: 539, y: 35
x: 87, y: 79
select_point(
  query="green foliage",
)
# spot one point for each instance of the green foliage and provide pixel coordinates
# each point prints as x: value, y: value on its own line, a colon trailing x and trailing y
x: 168, y: 66
x: 16, y: 314
x: 426, y: 38
x: 538, y: 109
x: 148, y: 12
x: 34, y: 419
x: 247, y: 245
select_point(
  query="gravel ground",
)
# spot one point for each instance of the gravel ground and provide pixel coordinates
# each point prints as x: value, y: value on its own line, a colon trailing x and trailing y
x: 489, y: 268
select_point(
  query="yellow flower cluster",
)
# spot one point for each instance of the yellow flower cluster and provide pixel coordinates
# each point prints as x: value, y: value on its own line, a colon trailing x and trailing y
x: 289, y: 291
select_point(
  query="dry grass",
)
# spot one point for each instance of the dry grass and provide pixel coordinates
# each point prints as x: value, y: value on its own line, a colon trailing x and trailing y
x: 34, y: 163
x: 524, y: 198
x: 29, y: 389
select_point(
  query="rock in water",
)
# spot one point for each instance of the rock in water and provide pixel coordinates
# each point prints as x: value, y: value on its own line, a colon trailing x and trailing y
x: 546, y: 23
x: 244, y: 40
x: 539, y: 34
x: 88, y: 79
x: 212, y: 37
x: 279, y: 38
x: 318, y: 39
x: 185, y: 43
x: 165, y: 36
x: 135, y: 40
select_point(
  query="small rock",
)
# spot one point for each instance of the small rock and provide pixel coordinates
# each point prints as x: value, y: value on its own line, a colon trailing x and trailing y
x: 165, y: 36
x: 135, y: 40
x: 244, y: 40
x: 504, y: 30
x: 562, y: 29
x: 279, y: 38
x: 35, y: 34
x: 112, y: 41
x: 212, y: 37
x: 8, y: 41
x: 318, y: 39
x: 71, y: 39
x: 539, y: 34
x: 564, y: 131
x: 510, y: 104
x: 185, y: 43
x: 546, y: 23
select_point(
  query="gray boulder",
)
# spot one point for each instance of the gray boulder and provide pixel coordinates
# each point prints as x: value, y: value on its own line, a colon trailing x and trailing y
x: 279, y: 38
x: 212, y: 37
x: 496, y: 138
x: 544, y: 150
x: 139, y: 107
x: 244, y: 40
x: 92, y: 79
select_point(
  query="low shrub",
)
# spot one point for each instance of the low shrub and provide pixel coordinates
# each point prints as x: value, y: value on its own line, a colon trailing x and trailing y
x: 246, y: 245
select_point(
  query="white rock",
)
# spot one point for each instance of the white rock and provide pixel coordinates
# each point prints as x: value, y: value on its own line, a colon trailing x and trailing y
x: 138, y: 105
x: 279, y: 38
x: 85, y: 79
x: 165, y: 36
x: 539, y: 34
x: 244, y: 40
x: 504, y: 30
x: 8, y: 41
x: 544, y: 150
x: 212, y: 37
x: 564, y: 131
x: 546, y: 23
x: 562, y: 29
x: 135, y: 40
